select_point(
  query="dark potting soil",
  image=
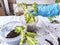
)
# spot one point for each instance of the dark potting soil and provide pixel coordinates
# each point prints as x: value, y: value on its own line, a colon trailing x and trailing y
x: 12, y: 34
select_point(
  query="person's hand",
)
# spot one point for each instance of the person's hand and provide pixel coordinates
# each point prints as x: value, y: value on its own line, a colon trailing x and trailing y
x: 46, y: 10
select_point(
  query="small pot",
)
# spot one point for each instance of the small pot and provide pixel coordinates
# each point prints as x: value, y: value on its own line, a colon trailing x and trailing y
x: 5, y: 29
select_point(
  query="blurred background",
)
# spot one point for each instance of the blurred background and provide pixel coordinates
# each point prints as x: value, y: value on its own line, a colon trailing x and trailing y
x: 8, y: 7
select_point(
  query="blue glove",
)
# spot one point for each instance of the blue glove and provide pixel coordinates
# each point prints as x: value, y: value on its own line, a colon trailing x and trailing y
x: 49, y: 10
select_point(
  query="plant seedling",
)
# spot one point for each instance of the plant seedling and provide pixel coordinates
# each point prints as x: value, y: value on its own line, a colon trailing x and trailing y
x: 29, y: 17
x: 53, y: 21
x: 34, y: 7
x: 26, y: 36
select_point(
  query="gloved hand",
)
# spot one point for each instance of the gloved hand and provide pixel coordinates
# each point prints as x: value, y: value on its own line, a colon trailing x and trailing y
x: 48, y: 10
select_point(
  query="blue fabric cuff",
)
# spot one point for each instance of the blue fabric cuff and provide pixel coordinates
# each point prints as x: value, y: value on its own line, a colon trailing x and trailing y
x: 48, y: 10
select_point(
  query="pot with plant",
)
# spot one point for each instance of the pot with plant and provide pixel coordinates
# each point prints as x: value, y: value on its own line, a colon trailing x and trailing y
x: 14, y: 33
x: 27, y: 37
x: 9, y: 33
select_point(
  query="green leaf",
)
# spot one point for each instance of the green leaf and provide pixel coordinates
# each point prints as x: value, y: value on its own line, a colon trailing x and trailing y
x: 31, y: 41
x: 29, y: 17
x: 28, y: 42
x: 31, y: 34
x: 58, y: 1
x: 23, y: 38
x: 32, y: 17
x: 24, y: 5
x: 34, y: 7
x: 50, y: 18
x: 18, y: 29
x: 35, y: 41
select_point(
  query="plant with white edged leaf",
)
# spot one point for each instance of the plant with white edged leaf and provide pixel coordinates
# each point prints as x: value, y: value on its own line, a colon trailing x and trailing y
x: 23, y: 5
x: 34, y: 7
x: 29, y: 17
x: 26, y: 36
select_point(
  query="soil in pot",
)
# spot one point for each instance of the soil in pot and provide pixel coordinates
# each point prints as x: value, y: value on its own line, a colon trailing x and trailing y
x: 12, y: 34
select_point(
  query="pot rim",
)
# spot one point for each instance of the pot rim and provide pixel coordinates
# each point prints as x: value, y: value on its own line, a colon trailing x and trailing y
x: 11, y: 39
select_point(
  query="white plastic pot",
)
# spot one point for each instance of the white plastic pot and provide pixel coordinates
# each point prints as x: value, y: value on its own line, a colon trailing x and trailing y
x: 5, y: 29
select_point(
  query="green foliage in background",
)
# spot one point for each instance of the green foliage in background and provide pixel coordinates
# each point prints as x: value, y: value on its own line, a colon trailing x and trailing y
x: 34, y: 7
x: 29, y: 17
x: 23, y: 5
x: 51, y: 18
x: 57, y: 1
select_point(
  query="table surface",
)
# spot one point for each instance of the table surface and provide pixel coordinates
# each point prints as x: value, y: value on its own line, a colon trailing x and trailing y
x: 6, y: 19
